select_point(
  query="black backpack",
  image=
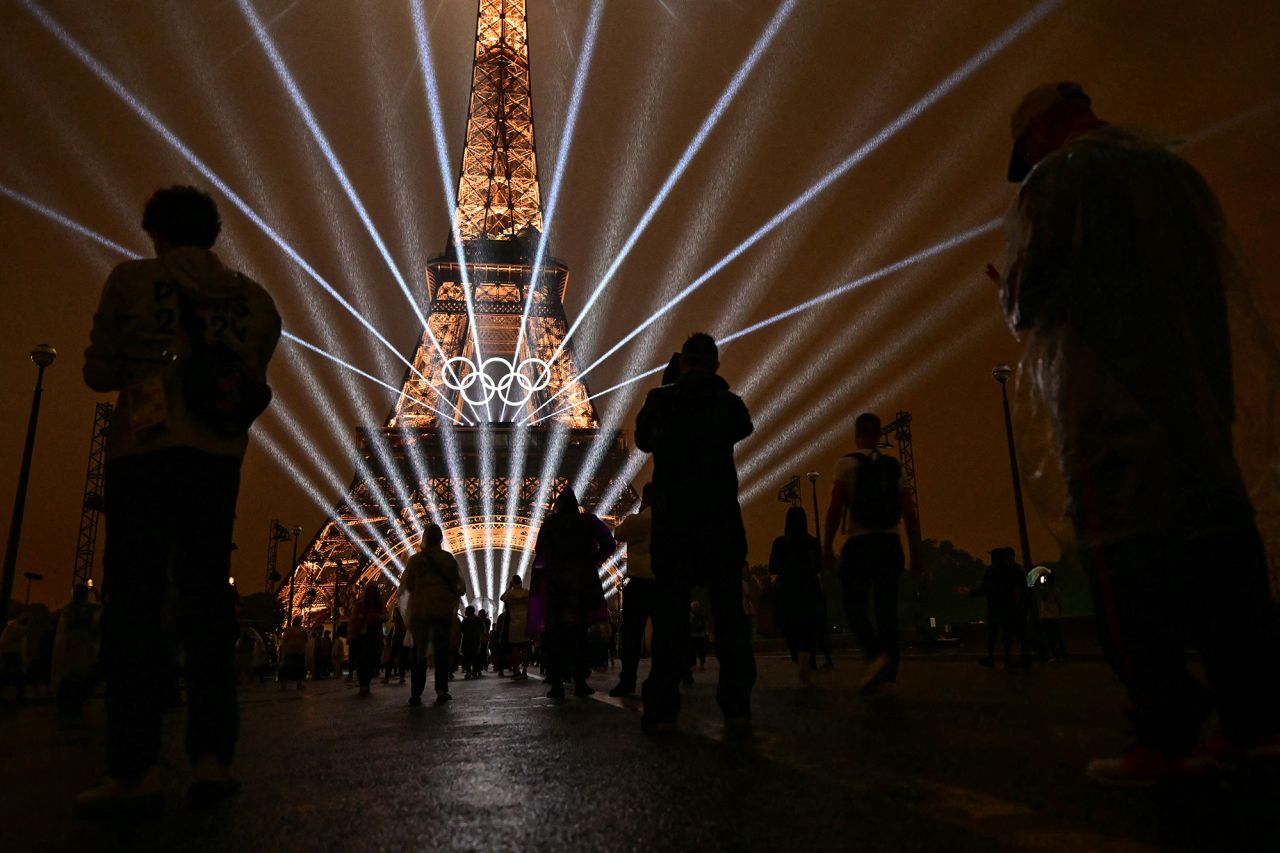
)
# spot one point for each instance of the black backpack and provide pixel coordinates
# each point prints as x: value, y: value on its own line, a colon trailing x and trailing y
x: 875, y: 502
x: 219, y: 389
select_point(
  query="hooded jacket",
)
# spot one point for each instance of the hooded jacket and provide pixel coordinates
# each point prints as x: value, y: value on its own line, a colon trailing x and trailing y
x: 137, y: 338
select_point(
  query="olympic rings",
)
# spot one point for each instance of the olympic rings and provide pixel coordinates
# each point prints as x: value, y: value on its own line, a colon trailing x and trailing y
x: 461, y: 374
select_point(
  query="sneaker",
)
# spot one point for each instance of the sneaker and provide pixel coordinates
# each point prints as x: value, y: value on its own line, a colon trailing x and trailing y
x: 623, y: 690
x: 415, y: 700
x: 582, y: 690
x: 441, y: 698
x: 211, y: 782
x: 140, y: 798
x: 871, y: 675
x: 1139, y: 767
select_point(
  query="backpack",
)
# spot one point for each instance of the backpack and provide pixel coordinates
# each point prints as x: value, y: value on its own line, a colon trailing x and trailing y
x: 218, y: 387
x: 875, y: 497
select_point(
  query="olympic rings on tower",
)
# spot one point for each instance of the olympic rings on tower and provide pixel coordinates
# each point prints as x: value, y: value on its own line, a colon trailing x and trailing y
x: 462, y: 375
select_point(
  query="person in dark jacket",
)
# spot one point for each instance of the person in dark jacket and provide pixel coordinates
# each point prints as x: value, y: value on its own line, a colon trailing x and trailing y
x: 691, y: 427
x: 570, y: 549
x: 1005, y: 588
x: 796, y: 561
x: 366, y: 636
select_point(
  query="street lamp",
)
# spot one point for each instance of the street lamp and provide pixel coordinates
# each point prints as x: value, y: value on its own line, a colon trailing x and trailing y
x: 817, y: 525
x: 293, y: 571
x: 43, y: 356
x: 1001, y: 373
x: 30, y: 576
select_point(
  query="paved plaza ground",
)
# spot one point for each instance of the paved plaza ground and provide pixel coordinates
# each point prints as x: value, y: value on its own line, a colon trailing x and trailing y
x: 956, y: 757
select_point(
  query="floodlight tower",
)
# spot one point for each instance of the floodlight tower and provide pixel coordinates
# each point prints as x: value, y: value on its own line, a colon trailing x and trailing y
x: 488, y: 355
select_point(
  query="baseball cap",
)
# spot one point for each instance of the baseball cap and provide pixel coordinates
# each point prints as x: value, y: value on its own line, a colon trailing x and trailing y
x: 1035, y: 104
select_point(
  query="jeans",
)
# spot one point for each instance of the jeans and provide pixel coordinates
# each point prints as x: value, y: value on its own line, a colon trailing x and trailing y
x: 169, y: 517
x: 436, y: 633
x: 870, y: 570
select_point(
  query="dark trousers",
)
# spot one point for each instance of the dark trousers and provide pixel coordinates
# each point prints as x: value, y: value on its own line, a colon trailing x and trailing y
x: 566, y: 650
x: 637, y: 609
x: 671, y: 646
x: 433, y: 633
x: 870, y: 571
x: 365, y: 650
x: 1002, y: 624
x: 169, y: 519
x: 1154, y: 598
x: 797, y: 610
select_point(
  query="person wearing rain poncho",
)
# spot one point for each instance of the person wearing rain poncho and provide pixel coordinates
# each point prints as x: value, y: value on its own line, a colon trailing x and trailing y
x: 1118, y: 280
x: 432, y: 585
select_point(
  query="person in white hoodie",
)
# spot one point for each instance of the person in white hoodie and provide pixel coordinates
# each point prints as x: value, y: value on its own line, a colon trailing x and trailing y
x: 172, y: 479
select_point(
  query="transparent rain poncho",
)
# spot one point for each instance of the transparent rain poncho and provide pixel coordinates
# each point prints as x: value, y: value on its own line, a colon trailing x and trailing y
x: 1148, y: 395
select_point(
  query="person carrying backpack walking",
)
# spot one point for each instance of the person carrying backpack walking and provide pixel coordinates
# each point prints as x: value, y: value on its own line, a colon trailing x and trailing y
x: 869, y: 497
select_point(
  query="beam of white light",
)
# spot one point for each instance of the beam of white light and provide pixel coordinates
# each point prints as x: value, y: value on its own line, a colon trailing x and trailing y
x: 988, y: 52
x: 553, y: 449
x: 519, y: 446
x: 453, y: 461
x: 486, y: 502
x: 557, y: 175
x: 399, y: 390
x: 286, y: 463
x: 50, y: 213
x: 700, y: 137
x: 317, y: 134
x: 443, y: 161
x: 755, y: 485
x: 809, y: 304
x: 109, y: 80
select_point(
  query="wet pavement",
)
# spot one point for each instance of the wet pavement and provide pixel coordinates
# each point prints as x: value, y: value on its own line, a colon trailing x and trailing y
x: 954, y: 757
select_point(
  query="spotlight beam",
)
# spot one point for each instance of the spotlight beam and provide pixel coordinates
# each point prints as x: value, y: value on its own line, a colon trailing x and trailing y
x: 562, y: 157
x: 897, y: 266
x: 990, y: 50
x: 50, y: 213
x: 695, y: 145
x: 105, y: 77
x: 398, y: 389
x: 308, y: 117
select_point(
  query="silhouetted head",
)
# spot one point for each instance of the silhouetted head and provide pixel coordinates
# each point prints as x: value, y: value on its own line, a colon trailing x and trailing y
x: 515, y: 582
x: 471, y: 611
x: 1046, y: 119
x: 866, y: 430
x: 434, y: 535
x: 566, y: 501
x: 797, y: 522
x: 700, y: 353
x: 181, y: 216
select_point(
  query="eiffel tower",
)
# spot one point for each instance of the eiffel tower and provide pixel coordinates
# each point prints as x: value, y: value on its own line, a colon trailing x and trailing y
x: 455, y: 449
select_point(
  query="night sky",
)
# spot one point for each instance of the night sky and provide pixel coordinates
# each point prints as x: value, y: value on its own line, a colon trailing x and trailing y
x: 841, y: 75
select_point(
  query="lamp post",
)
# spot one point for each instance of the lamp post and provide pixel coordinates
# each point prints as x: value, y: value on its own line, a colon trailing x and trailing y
x: 30, y: 576
x: 1001, y: 373
x: 293, y: 571
x: 817, y: 524
x: 43, y: 356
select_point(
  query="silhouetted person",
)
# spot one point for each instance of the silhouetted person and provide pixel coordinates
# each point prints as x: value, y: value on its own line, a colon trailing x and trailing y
x: 869, y: 497
x: 635, y: 531
x: 796, y: 562
x: 1118, y: 278
x: 1004, y: 586
x: 293, y: 654
x: 434, y: 584
x: 691, y: 427
x: 366, y: 636
x: 516, y: 598
x: 185, y: 341
x: 570, y: 549
x: 472, y: 629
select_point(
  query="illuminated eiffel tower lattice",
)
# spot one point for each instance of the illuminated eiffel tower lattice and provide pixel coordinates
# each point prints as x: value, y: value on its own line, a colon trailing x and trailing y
x: 457, y: 449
